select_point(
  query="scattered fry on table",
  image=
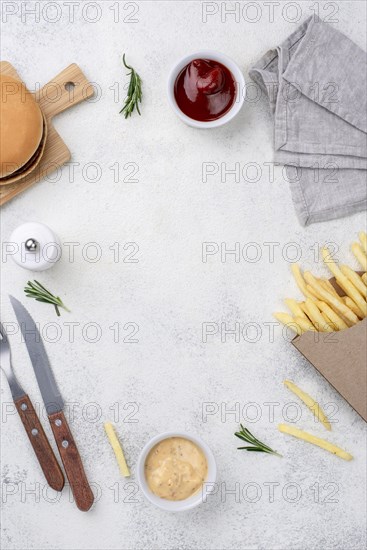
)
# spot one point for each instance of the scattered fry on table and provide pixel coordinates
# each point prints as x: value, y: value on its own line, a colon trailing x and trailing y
x: 117, y: 449
x: 310, y: 402
x: 305, y: 436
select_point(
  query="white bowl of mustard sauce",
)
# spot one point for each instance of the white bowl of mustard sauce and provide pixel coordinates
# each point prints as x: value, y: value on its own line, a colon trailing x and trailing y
x: 176, y: 471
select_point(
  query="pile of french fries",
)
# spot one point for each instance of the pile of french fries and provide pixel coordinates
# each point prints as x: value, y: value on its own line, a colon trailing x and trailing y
x: 323, y: 309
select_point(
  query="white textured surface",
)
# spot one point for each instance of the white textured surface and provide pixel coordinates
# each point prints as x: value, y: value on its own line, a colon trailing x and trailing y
x: 169, y: 293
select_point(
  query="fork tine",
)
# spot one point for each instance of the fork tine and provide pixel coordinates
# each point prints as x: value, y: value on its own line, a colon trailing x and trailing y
x: 3, y: 334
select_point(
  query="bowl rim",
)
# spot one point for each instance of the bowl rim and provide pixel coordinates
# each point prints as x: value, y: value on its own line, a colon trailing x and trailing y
x: 215, y: 56
x: 175, y: 505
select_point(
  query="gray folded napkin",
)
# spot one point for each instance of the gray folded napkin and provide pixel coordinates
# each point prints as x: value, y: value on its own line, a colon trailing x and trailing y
x: 316, y: 84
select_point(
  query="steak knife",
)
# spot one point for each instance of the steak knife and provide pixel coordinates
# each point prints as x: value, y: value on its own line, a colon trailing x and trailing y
x: 54, y: 404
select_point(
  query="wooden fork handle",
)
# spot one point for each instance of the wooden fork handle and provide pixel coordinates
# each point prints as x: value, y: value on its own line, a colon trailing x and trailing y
x: 72, y: 461
x: 40, y: 443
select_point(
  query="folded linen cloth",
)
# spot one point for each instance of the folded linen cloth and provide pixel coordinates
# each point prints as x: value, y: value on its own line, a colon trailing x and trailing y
x: 316, y: 84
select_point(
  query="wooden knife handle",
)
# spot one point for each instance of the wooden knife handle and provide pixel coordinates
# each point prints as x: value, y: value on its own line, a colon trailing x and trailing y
x: 73, y: 465
x: 40, y: 443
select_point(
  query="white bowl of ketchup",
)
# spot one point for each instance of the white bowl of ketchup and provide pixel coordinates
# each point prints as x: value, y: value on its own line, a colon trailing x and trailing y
x: 206, y: 89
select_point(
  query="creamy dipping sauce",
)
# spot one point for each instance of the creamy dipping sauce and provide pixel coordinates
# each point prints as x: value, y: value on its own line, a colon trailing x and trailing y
x: 175, y: 468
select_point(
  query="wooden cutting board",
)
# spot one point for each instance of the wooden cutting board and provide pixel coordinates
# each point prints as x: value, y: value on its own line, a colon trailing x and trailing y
x: 68, y: 88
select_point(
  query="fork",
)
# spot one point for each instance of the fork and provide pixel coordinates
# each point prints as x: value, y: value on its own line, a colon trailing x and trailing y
x: 31, y: 422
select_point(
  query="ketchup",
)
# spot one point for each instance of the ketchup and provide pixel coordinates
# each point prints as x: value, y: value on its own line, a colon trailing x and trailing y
x: 205, y: 90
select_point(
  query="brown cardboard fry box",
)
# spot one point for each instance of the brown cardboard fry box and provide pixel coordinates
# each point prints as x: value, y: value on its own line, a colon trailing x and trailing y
x: 341, y: 357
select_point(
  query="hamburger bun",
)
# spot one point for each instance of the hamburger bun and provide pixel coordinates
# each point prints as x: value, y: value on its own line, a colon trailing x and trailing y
x: 21, y: 125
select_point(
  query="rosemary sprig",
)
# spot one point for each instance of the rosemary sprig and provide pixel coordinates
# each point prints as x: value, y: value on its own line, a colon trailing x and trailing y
x: 134, y: 93
x: 41, y: 294
x: 256, y: 445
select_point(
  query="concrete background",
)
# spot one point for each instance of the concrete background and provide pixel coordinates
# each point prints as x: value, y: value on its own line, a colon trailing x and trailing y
x: 137, y: 355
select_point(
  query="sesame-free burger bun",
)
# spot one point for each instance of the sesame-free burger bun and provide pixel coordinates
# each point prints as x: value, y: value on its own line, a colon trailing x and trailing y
x: 21, y: 125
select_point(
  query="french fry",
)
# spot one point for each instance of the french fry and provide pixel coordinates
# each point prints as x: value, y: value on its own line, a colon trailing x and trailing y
x: 309, y: 324
x: 299, y: 280
x: 352, y: 303
x: 363, y: 238
x: 324, y: 309
x: 334, y: 317
x: 302, y: 305
x: 294, y: 307
x: 353, y: 295
x: 117, y: 449
x: 336, y: 303
x: 315, y: 316
x: 305, y: 436
x: 329, y: 322
x: 314, y: 294
x: 355, y: 279
x: 349, y: 303
x: 306, y: 314
x: 288, y: 320
x: 358, y: 306
x: 343, y: 299
x: 329, y: 262
x: 305, y: 324
x: 344, y: 282
x: 327, y: 319
x: 360, y: 255
x: 328, y: 286
x: 310, y: 402
x: 349, y: 323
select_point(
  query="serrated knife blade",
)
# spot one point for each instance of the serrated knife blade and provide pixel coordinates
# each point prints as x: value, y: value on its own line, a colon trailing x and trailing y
x: 46, y: 381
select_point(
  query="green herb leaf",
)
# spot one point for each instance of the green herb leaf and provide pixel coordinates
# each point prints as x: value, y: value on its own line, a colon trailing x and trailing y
x: 245, y: 435
x: 134, y: 92
x: 41, y: 294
